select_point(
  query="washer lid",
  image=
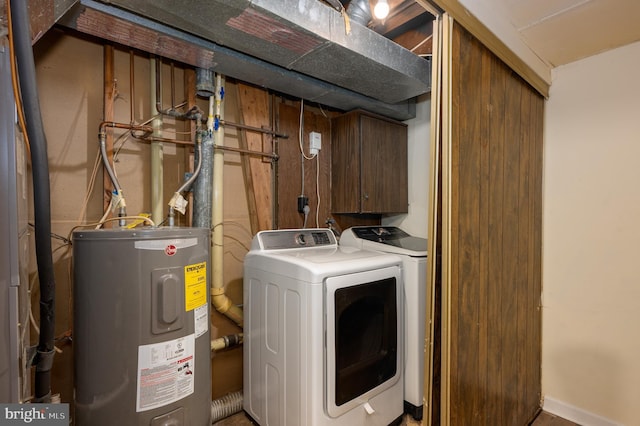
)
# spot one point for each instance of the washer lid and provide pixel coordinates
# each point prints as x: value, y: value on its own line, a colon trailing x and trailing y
x: 390, y: 239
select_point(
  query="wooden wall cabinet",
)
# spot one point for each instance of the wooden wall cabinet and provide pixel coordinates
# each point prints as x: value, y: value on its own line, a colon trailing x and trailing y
x: 368, y: 164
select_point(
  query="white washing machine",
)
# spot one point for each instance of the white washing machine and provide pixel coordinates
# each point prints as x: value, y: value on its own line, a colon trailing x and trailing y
x: 413, y: 252
x: 323, y: 332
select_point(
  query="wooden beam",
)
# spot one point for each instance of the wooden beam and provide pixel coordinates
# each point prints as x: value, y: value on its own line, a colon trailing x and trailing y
x: 246, y: 170
x: 108, y: 113
x: 254, y: 111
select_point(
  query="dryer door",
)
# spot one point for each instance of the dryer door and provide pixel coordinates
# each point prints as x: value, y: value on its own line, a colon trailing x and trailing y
x: 364, y: 337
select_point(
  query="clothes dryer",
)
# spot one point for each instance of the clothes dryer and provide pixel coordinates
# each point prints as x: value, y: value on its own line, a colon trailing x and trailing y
x: 413, y: 252
x: 323, y: 334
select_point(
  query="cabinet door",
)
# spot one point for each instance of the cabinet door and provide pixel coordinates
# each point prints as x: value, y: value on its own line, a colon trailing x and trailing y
x: 345, y: 164
x: 383, y: 167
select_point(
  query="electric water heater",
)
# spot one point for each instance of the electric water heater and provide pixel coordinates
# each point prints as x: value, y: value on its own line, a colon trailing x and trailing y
x: 141, y: 327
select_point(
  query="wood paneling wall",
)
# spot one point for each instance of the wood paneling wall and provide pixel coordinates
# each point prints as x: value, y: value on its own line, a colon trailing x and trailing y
x: 491, y: 299
x: 290, y: 170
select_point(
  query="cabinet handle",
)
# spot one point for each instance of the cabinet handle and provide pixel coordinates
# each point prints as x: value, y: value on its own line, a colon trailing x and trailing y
x: 366, y: 197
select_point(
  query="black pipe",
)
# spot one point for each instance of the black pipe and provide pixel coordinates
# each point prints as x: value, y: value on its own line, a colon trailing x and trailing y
x: 41, y: 195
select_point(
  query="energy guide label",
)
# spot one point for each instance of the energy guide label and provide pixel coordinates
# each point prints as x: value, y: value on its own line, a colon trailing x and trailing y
x: 165, y: 372
x: 195, y: 285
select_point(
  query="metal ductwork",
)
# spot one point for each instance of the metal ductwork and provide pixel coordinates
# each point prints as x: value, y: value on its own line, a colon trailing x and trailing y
x: 359, y: 11
x: 299, y: 48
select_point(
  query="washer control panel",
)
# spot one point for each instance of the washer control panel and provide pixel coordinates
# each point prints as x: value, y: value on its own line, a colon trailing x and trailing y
x: 295, y: 238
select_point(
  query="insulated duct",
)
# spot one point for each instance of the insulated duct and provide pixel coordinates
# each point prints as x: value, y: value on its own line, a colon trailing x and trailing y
x: 42, y: 198
x: 299, y: 48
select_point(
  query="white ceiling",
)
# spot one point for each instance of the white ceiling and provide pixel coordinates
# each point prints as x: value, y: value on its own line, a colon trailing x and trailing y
x: 563, y: 31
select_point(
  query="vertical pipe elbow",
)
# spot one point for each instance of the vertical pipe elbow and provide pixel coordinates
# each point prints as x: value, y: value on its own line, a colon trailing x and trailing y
x: 225, y: 306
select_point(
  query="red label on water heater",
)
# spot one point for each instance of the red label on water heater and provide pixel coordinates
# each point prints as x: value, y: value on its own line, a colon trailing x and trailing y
x: 170, y: 250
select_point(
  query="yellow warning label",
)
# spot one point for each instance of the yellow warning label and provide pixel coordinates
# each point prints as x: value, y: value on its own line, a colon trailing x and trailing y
x: 195, y: 285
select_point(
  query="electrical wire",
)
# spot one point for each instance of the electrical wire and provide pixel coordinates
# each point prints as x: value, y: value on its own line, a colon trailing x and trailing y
x: 125, y: 137
x: 322, y: 111
x: 92, y: 182
x: 306, y: 216
x: 303, y: 157
x: 65, y: 243
x: 300, y: 135
x: 318, y: 189
x: 106, y: 213
x: 53, y: 235
x: 111, y: 219
x: 14, y: 82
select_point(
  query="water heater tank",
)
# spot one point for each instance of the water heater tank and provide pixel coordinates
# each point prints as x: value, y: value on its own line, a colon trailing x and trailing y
x: 141, y: 327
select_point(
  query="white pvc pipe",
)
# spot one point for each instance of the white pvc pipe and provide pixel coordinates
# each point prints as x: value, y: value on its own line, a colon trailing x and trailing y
x: 217, y: 214
x: 220, y: 301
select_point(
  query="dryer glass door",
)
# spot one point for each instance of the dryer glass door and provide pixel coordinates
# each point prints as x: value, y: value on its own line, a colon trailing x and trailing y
x: 363, y: 330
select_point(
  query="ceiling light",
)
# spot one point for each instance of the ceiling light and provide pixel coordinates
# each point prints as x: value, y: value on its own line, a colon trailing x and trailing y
x: 381, y: 9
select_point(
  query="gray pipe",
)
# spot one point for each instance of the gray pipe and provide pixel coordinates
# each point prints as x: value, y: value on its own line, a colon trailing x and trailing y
x: 203, y: 186
x: 226, y: 406
x: 205, y: 86
x: 198, y: 147
x: 105, y: 161
x: 114, y: 180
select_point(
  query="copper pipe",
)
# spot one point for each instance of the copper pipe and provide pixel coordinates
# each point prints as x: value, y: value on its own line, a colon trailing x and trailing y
x: 175, y: 141
x: 158, y: 86
x: 224, y: 147
x: 254, y: 129
x: 148, y: 130
x: 131, y: 87
x: 247, y: 151
x: 173, y: 88
x: 109, y: 96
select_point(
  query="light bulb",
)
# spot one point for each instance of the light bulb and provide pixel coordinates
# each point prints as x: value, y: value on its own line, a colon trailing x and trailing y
x: 381, y: 9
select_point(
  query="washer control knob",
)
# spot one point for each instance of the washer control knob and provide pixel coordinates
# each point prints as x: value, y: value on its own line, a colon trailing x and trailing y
x: 301, y: 239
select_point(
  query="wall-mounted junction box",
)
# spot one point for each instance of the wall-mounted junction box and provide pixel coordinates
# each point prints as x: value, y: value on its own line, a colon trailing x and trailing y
x: 315, y: 142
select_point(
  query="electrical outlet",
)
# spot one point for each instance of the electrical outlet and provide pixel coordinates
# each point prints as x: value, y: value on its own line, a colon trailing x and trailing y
x: 302, y: 202
x: 315, y: 142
